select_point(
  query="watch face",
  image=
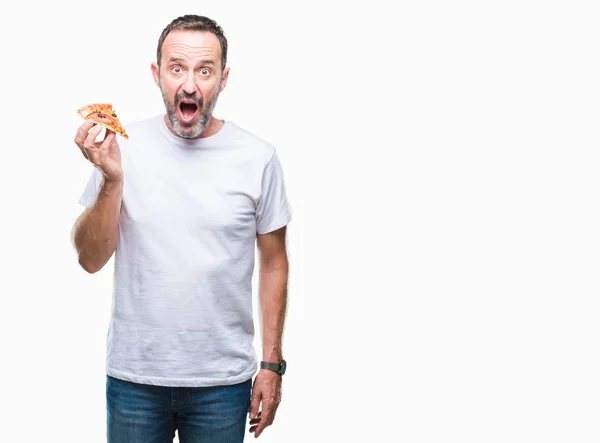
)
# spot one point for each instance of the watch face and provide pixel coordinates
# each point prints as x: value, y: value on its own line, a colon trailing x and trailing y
x: 282, y: 367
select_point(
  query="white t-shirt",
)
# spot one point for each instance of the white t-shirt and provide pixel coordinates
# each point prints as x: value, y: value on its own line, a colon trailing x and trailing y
x: 191, y: 209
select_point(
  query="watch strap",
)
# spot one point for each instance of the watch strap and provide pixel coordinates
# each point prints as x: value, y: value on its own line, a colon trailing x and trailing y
x: 270, y: 366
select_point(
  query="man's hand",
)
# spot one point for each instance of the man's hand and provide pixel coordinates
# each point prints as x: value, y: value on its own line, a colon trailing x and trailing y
x: 105, y: 155
x: 266, y: 390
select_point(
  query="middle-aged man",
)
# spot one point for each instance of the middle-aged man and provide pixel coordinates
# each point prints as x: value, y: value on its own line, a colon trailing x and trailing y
x: 182, y: 203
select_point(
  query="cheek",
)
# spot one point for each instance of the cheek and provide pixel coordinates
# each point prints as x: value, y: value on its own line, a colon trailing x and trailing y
x: 209, y: 92
x: 169, y: 88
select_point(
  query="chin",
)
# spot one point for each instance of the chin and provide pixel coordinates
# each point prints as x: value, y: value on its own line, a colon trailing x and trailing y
x: 187, y: 131
x: 191, y: 135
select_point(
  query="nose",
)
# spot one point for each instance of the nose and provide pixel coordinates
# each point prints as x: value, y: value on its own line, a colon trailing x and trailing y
x: 189, y: 86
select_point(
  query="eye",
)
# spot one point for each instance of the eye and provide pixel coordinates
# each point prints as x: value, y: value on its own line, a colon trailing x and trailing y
x: 205, y: 71
x: 176, y: 69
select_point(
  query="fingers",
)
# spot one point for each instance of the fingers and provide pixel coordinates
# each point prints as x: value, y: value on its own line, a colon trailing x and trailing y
x: 85, y: 139
x: 255, y: 421
x: 90, y: 140
x: 255, y: 402
x: 81, y: 135
x: 266, y: 393
x: 265, y: 417
x: 97, y: 152
x: 268, y: 414
x: 105, y: 145
x: 82, y: 132
x: 261, y: 421
x: 108, y: 139
x: 88, y: 147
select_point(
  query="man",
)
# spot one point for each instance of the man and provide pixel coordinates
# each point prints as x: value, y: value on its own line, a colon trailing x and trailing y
x: 183, y: 202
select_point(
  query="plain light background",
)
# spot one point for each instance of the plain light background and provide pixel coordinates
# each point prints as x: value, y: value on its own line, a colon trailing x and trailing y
x: 441, y: 162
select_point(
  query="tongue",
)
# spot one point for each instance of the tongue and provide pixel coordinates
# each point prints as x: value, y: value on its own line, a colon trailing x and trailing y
x: 188, y: 109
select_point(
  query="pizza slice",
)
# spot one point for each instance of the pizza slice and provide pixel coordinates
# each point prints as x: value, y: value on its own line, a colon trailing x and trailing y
x: 104, y: 114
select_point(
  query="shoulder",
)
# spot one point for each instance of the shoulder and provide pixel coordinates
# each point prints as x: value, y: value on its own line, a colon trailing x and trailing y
x: 259, y: 148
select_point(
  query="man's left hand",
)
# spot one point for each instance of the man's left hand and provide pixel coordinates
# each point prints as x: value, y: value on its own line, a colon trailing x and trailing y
x: 266, y: 392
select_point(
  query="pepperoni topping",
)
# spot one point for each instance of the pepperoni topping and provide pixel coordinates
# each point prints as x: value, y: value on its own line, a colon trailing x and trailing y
x: 106, y: 119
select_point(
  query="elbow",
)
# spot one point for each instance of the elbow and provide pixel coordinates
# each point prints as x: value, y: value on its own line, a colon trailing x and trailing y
x: 89, y: 269
x: 88, y: 266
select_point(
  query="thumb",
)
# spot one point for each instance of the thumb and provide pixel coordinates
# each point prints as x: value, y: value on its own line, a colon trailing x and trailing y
x: 254, y: 403
x: 113, y: 146
x: 110, y: 134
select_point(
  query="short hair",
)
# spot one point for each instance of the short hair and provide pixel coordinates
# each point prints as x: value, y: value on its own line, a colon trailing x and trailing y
x: 194, y: 23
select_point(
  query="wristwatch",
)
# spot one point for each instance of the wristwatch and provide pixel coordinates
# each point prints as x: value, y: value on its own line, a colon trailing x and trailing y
x: 276, y: 367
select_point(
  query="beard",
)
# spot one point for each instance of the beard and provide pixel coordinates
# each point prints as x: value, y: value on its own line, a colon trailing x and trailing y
x: 195, y: 128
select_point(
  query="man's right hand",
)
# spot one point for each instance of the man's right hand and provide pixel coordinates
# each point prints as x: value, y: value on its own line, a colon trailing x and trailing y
x: 105, y: 155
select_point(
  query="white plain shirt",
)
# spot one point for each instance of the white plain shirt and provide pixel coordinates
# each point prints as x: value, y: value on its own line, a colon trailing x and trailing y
x: 191, y: 209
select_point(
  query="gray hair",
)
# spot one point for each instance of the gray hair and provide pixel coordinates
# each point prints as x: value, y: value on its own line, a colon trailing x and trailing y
x: 195, y: 23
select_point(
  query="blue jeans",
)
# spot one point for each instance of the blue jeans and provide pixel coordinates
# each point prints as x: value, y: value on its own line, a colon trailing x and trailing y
x: 138, y: 413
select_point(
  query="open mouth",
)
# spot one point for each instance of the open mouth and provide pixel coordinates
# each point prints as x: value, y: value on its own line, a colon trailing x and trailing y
x: 188, y: 110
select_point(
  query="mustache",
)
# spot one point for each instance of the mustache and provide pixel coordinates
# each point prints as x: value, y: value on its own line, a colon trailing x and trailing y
x: 185, y: 96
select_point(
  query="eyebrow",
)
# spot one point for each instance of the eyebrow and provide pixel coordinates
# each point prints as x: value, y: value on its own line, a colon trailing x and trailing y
x: 204, y: 61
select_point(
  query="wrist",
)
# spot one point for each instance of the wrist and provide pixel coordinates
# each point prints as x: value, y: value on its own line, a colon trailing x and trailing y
x: 113, y: 181
x: 272, y: 357
x: 112, y: 186
x: 279, y: 367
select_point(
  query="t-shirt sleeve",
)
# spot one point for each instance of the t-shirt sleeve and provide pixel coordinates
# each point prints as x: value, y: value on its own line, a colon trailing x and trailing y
x: 273, y: 210
x: 92, y: 188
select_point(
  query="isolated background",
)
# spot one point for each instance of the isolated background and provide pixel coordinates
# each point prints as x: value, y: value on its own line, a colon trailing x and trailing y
x: 441, y: 162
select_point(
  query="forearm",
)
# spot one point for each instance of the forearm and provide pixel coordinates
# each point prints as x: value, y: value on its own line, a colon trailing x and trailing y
x: 96, y: 233
x: 273, y: 303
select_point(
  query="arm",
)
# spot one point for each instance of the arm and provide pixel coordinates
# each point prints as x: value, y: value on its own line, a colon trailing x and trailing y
x: 96, y: 231
x: 273, y: 279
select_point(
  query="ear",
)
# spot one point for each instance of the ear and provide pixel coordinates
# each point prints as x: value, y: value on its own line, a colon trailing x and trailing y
x: 224, y: 78
x: 154, y: 68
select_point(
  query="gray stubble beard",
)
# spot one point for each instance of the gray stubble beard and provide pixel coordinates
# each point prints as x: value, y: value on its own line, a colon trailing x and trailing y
x: 199, y: 127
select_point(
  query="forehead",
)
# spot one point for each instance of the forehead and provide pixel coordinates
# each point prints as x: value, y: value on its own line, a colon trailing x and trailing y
x: 191, y: 45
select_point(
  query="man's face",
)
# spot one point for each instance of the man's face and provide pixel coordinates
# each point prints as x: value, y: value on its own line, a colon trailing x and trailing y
x: 190, y: 79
